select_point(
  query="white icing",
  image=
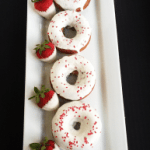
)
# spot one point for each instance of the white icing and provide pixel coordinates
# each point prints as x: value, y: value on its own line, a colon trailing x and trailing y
x: 72, y: 19
x: 71, y: 4
x: 51, y: 58
x: 85, y: 80
x: 64, y: 133
x: 49, y: 13
x: 52, y: 104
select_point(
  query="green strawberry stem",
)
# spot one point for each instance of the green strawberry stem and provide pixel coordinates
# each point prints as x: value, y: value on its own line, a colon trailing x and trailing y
x: 39, y: 93
x: 37, y: 146
x: 34, y: 1
x: 42, y: 47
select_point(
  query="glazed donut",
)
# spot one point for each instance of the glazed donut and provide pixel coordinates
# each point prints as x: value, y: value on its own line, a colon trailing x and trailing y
x: 76, y: 126
x: 72, y: 19
x: 78, y: 5
x: 85, y: 82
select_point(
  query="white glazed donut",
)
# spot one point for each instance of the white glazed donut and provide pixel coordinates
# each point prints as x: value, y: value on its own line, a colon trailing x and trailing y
x: 72, y: 19
x: 85, y: 81
x: 63, y: 126
x: 78, y: 5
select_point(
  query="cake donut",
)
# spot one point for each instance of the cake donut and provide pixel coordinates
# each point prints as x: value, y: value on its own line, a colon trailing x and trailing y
x: 76, y: 126
x: 45, y: 8
x: 72, y: 19
x: 46, y: 52
x: 46, y: 99
x: 85, y: 82
x: 77, y: 5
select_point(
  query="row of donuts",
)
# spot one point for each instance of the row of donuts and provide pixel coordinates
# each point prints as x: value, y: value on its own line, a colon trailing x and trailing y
x: 65, y: 134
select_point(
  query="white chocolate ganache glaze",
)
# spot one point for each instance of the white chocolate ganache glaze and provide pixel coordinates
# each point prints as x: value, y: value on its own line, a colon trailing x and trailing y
x: 71, y: 19
x: 85, y: 82
x: 76, y: 126
x: 71, y: 4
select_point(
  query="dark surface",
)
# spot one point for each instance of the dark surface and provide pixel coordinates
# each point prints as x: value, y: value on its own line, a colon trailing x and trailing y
x: 133, y: 28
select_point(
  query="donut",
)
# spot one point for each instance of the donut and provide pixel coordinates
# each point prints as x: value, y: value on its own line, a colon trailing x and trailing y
x: 77, y: 5
x: 76, y: 126
x: 46, y: 52
x: 45, y: 8
x: 85, y: 82
x: 72, y: 19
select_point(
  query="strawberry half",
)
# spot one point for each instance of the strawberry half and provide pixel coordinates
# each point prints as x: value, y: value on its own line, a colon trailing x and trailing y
x: 45, y: 8
x: 46, y: 51
x: 46, y: 99
x: 46, y: 145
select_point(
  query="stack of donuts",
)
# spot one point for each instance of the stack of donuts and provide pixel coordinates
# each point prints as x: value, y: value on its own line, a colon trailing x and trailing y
x: 75, y: 125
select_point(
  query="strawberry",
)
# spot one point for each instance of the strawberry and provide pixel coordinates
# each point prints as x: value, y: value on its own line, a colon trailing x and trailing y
x: 46, y: 99
x: 46, y: 51
x: 45, y: 8
x: 42, y: 5
x: 45, y: 145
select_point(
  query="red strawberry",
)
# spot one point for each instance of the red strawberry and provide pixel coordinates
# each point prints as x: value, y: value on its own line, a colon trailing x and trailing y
x: 46, y: 145
x: 46, y: 98
x: 44, y: 50
x: 42, y: 5
x: 45, y: 8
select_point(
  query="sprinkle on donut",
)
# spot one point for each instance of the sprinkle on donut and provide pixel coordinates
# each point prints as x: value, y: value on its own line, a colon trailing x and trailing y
x: 72, y: 19
x: 84, y: 83
x: 67, y: 136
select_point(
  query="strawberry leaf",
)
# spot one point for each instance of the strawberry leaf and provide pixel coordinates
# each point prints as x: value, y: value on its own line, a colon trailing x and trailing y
x: 47, y: 46
x: 34, y: 1
x: 35, y: 146
x: 32, y: 97
x: 46, y: 42
x: 36, y: 90
x: 42, y: 95
x: 43, y: 147
x: 45, y: 141
x: 39, y: 93
x: 37, y: 99
x: 47, y: 90
x: 42, y: 47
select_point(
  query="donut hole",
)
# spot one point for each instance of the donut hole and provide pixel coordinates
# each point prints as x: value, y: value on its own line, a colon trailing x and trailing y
x: 69, y: 32
x: 72, y: 77
x: 76, y: 125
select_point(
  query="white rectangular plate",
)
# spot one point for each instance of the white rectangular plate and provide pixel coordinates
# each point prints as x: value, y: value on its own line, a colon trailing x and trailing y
x: 106, y: 97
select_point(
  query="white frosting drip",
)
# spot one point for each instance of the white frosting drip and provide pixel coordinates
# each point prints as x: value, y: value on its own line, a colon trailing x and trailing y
x: 71, y: 4
x: 85, y: 80
x: 51, y: 58
x: 49, y: 13
x: 63, y: 130
x: 72, y: 19
x: 52, y: 104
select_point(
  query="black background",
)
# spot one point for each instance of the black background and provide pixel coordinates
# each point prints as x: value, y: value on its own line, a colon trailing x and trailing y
x: 132, y: 17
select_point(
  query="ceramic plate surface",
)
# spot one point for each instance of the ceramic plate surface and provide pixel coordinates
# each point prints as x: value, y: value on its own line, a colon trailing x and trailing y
x: 106, y: 97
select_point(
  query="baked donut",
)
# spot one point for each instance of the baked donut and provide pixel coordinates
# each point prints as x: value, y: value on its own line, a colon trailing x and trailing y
x: 77, y: 5
x: 72, y: 19
x: 45, y: 8
x: 85, y: 82
x: 76, y: 126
